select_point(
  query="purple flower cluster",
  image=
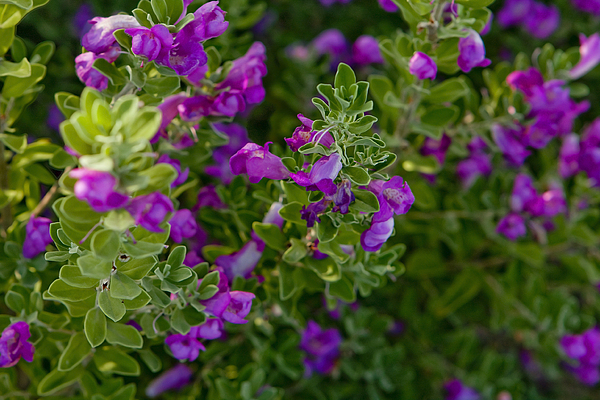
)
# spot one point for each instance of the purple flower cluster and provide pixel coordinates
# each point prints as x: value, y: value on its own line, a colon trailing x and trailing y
x: 585, y: 349
x: 322, y: 348
x: 173, y: 379
x: 183, y: 225
x: 14, y: 345
x: 538, y: 19
x: 589, y: 6
x: 225, y: 305
x: 590, y: 55
x: 98, y: 189
x: 332, y: 42
x: 552, y: 114
x: 477, y: 164
x: 149, y: 211
x: 395, y: 197
x: 238, y: 137
x: 456, y: 390
x: 37, y: 236
x: 242, y: 86
x: 525, y: 200
x: 258, y: 162
x: 582, y: 154
x: 304, y: 134
x: 243, y: 262
x: 208, y: 197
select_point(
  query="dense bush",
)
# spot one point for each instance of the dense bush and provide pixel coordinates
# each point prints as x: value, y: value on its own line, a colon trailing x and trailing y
x: 351, y: 199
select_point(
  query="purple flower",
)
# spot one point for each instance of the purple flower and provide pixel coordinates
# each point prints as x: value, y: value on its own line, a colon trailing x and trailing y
x: 322, y: 348
x: 239, y: 307
x: 14, y: 345
x: 217, y: 304
x: 173, y: 379
x: 542, y: 20
x: 238, y: 137
x: 38, y: 236
x: 184, y: 347
x: 186, y: 55
x: 245, y: 76
x: 169, y: 110
x: 183, y: 225
x: 378, y: 233
x: 150, y: 43
x: 80, y: 21
x: 242, y: 262
x: 488, y: 26
x: 524, y: 197
x: 388, y: 5
x: 511, y: 147
x: 181, y: 176
x: 436, y: 148
x: 55, y: 117
x: 258, y: 163
x: 514, y: 12
x: 321, y: 175
x: 90, y: 76
x: 512, y: 226
x: 304, y: 134
x: 209, y: 22
x: 99, y: 38
x: 526, y: 81
x: 208, y: 197
x: 394, y: 196
x: 311, y: 213
x: 554, y: 202
x: 590, y: 55
x: 150, y: 210
x: 422, y: 66
x: 192, y: 259
x: 585, y: 349
x: 587, y: 374
x: 589, y: 6
x: 211, y: 329
x: 470, y: 169
x: 333, y: 43
x: 365, y: 50
x: 456, y: 390
x: 98, y: 189
x: 343, y: 197
x: 472, y: 52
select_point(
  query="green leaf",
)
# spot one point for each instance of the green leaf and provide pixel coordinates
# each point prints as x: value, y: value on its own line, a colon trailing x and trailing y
x: 475, y: 3
x: 162, y: 86
x: 61, y: 160
x: 151, y: 360
x: 112, y: 308
x: 326, y: 230
x: 124, y: 335
x: 161, y: 176
x: 75, y: 352
x: 113, y: 360
x: 14, y: 301
x: 179, y: 323
x: 123, y: 287
x: 26, y: 4
x: 289, y: 281
x: 137, y: 303
x: 418, y: 163
x: 57, y: 380
x: 296, y: 252
x: 43, y: 52
x: 136, y: 268
x: 15, y: 86
x: 125, y: 393
x: 174, y: 10
x: 327, y: 269
x: 365, y: 201
x: 21, y: 69
x: 464, y: 287
x: 94, y: 327
x: 357, y: 175
x: 344, y: 76
x: 439, y: 115
x: 110, y: 71
x: 71, y: 275
x: 160, y: 9
x: 14, y: 142
x: 145, y: 125
x: 271, y: 235
x: 62, y: 291
x: 362, y: 125
x: 93, y: 267
x: 175, y: 259
x: 291, y: 212
x: 343, y: 289
x: 105, y: 244
x: 448, y: 91
x: 118, y: 220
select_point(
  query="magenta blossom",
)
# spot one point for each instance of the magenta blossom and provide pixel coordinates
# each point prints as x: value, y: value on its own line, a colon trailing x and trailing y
x: 511, y: 147
x: 331, y: 42
x: 38, y: 236
x: 394, y: 196
x: 173, y: 379
x: 238, y: 137
x: 209, y: 22
x: 242, y: 262
x: 14, y: 345
x: 90, y: 76
x: 478, y: 164
x: 183, y: 225
x: 456, y: 390
x: 321, y: 175
x: 311, y: 213
x: 388, y: 5
x: 322, y: 348
x: 238, y: 308
x: 304, y: 134
x: 181, y: 175
x: 589, y: 6
x: 378, y: 233
x: 211, y: 329
x: 422, y: 66
x: 217, y: 304
x: 436, y: 148
x: 512, y: 226
x: 208, y: 197
x: 514, y: 12
x: 100, y: 37
x: 258, y: 162
x: 365, y: 50
x: 98, y: 189
x: 590, y: 55
x: 150, y: 210
x: 150, y: 43
x: 184, y: 347
x: 542, y: 20
x: 472, y: 52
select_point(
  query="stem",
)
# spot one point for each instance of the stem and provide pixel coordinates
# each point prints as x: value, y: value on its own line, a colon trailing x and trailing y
x: 48, y: 197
